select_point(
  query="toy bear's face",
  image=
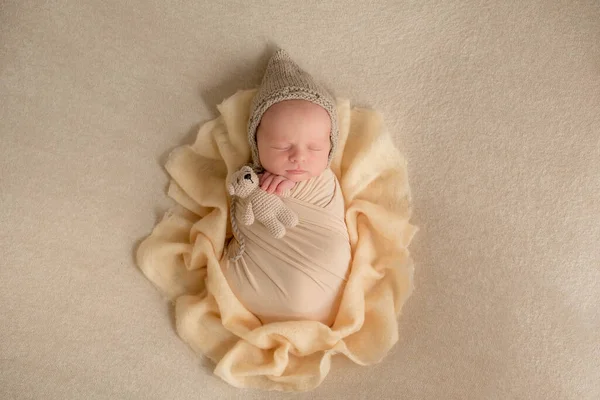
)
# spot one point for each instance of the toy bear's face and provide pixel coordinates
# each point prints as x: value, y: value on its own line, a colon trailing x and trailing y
x: 242, y: 182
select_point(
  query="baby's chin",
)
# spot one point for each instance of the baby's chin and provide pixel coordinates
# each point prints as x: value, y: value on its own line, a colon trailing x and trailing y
x: 298, y: 178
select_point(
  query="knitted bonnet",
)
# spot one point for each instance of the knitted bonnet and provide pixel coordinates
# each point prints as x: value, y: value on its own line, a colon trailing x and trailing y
x: 285, y: 80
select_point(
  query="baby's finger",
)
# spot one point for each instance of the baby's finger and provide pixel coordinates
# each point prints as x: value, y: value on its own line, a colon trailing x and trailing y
x: 275, y: 183
x: 286, y: 184
x: 279, y: 182
x: 267, y: 182
x: 262, y: 177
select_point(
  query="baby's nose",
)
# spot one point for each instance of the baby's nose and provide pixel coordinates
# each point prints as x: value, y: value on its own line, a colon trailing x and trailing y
x: 297, y: 156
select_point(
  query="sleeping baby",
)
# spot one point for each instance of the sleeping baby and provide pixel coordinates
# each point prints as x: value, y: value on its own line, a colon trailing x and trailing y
x: 293, y: 134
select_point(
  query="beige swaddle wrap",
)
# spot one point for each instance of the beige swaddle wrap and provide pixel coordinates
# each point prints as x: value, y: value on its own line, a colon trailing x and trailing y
x: 182, y: 256
x: 298, y: 277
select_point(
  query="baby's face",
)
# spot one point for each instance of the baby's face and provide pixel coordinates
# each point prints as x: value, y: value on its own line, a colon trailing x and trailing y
x: 294, y: 139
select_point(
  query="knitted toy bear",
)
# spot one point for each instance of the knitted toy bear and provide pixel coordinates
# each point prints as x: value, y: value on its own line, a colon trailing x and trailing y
x: 256, y: 204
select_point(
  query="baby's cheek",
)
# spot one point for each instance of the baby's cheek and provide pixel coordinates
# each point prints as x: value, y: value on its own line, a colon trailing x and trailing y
x: 279, y: 159
x: 270, y: 159
x: 276, y: 163
x: 322, y: 159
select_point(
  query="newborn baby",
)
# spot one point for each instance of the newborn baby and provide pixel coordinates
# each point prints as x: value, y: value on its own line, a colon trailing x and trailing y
x: 293, y: 134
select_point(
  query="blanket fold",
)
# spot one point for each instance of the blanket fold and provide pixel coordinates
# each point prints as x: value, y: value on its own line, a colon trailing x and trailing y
x: 183, y: 256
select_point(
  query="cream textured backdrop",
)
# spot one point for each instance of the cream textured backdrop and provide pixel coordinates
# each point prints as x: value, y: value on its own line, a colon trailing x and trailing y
x: 495, y: 103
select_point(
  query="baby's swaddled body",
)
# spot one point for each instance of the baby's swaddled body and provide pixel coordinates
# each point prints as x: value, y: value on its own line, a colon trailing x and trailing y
x: 301, y: 276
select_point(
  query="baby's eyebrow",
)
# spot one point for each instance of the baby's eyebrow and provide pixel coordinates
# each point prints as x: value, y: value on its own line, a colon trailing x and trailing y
x: 280, y: 145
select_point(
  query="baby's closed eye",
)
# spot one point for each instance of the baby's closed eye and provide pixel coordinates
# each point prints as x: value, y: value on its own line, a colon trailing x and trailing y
x: 284, y: 147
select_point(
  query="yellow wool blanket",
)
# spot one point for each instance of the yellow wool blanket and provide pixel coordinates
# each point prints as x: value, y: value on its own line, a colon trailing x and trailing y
x: 182, y: 256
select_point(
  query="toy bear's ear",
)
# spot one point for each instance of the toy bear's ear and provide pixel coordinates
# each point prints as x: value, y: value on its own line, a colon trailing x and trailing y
x: 230, y: 189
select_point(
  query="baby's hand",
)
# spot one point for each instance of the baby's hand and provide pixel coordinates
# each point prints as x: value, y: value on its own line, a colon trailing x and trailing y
x: 277, y: 184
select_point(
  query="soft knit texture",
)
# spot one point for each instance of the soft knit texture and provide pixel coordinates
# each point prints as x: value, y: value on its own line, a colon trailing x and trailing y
x: 182, y: 256
x: 285, y: 80
x: 256, y: 205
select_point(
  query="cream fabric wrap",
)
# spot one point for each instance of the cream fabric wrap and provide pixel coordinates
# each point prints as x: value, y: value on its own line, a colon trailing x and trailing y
x: 182, y: 256
x: 300, y: 276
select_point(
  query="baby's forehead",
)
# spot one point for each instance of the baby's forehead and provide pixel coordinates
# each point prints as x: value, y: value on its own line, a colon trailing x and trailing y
x: 295, y: 109
x: 290, y: 119
x: 285, y: 136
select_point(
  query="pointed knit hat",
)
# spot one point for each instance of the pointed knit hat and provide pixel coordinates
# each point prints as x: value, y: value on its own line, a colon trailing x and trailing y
x: 285, y: 80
